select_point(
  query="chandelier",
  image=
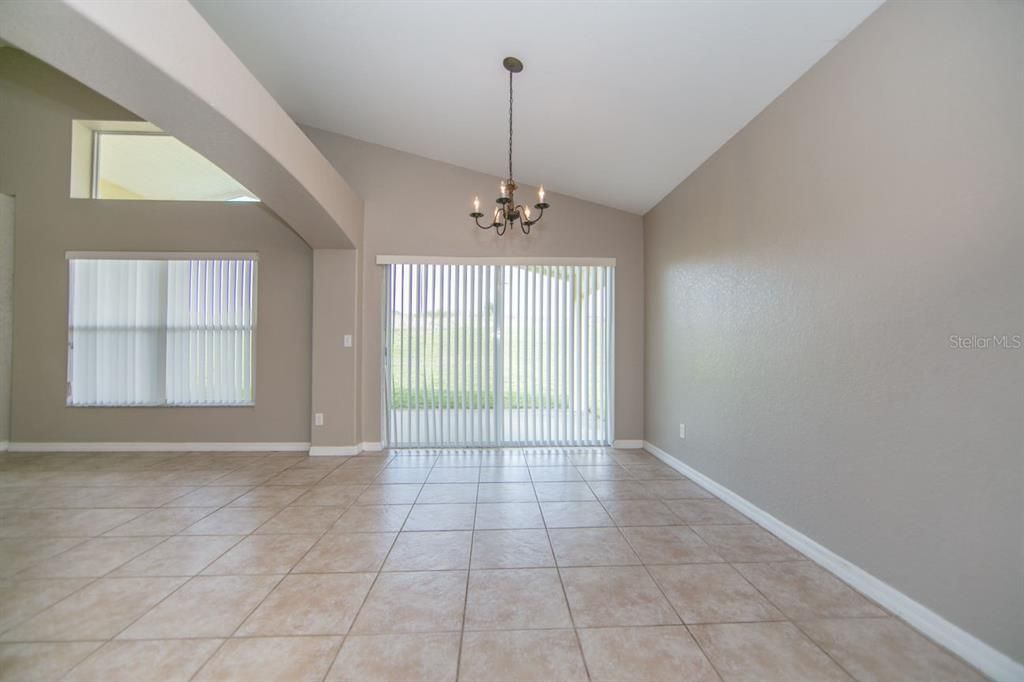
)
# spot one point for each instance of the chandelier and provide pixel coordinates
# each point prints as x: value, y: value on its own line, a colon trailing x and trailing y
x: 507, y: 213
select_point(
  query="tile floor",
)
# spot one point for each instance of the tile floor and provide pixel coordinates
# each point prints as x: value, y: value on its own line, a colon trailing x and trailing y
x: 415, y: 565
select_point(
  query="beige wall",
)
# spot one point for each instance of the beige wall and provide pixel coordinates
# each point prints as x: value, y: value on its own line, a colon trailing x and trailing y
x: 416, y: 206
x: 335, y: 367
x: 6, y: 311
x: 37, y: 105
x: 802, y: 287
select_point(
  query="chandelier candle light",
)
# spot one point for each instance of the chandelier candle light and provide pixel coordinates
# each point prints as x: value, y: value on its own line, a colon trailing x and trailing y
x: 507, y: 213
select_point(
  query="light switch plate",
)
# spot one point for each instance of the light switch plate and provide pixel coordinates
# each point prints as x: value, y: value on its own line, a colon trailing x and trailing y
x: 348, y: 341
x: 682, y: 430
x: 318, y: 419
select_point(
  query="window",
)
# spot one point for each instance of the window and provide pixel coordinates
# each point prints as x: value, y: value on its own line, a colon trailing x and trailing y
x: 482, y: 355
x: 161, y: 329
x: 138, y: 161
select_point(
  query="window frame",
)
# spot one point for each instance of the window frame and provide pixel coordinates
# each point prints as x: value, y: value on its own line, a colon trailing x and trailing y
x: 94, y: 166
x: 70, y: 256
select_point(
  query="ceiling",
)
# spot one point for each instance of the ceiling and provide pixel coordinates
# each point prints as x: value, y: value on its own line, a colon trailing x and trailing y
x: 618, y: 103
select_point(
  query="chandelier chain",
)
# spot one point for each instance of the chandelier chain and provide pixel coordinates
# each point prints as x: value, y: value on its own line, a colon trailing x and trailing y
x: 510, y: 125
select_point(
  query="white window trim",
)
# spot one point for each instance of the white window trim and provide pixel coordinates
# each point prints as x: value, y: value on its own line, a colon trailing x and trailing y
x: 492, y: 260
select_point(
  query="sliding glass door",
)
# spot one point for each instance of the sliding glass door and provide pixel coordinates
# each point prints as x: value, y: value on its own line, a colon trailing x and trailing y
x: 479, y: 355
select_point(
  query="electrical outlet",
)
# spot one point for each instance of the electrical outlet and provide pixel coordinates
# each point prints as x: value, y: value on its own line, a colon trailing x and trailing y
x: 318, y: 419
x: 682, y: 430
x: 348, y: 341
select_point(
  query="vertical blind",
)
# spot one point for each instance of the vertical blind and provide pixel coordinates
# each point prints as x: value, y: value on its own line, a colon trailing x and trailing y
x: 151, y: 331
x: 498, y: 354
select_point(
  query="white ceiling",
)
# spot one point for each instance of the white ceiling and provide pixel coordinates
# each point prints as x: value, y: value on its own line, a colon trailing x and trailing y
x: 618, y: 103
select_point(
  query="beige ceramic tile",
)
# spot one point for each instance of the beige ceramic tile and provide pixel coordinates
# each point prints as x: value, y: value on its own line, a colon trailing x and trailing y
x: 575, y: 514
x: 211, y: 496
x: 430, y: 601
x: 500, y: 474
x: 166, y: 521
x: 16, y: 554
x: 278, y: 496
x: 22, y: 599
x: 609, y: 596
x: 231, y: 521
x: 506, y: 492
x: 881, y: 649
x: 712, y: 593
x: 669, y: 545
x: 746, y: 543
x: 301, y: 477
x: 554, y: 474
x: 704, y: 512
x: 262, y: 555
x: 301, y: 520
x: 523, y: 656
x: 347, y: 553
x: 41, y: 662
x: 430, y: 551
x: 640, y: 513
x: 522, y: 548
x: 403, y: 475
x: 591, y: 547
x: 801, y: 589
x: 185, y: 555
x: 16, y: 523
x: 556, y: 491
x: 372, y: 518
x: 506, y: 515
x: 167, y: 660
x: 677, y: 490
x: 454, y: 475
x: 93, y: 558
x: 622, y: 490
x: 441, y: 517
x: 765, y: 651
x: 316, y: 604
x: 98, y: 611
x: 511, y: 599
x: 447, y: 493
x: 647, y: 472
x: 430, y: 657
x: 330, y: 496
x: 206, y: 606
x: 271, y: 659
x: 390, y: 494
x: 662, y: 653
x: 608, y: 472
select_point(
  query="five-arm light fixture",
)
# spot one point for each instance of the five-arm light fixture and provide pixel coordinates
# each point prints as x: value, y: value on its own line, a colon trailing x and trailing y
x: 507, y: 213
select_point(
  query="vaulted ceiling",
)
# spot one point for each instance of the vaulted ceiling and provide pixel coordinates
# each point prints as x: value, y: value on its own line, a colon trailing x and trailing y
x: 618, y: 103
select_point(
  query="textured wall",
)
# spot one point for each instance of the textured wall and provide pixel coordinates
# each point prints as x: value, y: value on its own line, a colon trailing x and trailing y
x: 37, y: 105
x: 802, y: 288
x: 6, y: 310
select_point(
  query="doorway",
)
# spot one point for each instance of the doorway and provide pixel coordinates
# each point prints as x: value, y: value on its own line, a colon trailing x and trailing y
x: 490, y: 355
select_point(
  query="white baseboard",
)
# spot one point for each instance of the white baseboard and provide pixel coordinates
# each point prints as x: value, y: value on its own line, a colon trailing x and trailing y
x: 3, y: 445
x: 334, y: 450
x: 985, y: 658
x: 158, y: 447
x: 628, y: 444
x: 343, y: 450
